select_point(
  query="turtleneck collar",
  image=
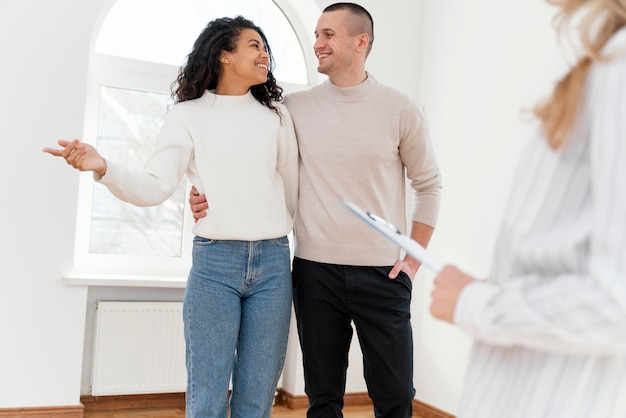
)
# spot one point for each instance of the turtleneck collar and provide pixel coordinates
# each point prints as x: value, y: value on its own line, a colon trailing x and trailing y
x: 221, y: 100
x: 352, y: 93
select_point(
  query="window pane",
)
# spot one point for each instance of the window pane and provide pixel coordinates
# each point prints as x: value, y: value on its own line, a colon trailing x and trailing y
x: 163, y: 31
x: 128, y: 125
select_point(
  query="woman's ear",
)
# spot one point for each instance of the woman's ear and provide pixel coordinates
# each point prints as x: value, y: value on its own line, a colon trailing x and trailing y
x: 225, y: 57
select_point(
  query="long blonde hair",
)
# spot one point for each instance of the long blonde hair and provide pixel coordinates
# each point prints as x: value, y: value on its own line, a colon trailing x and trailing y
x: 600, y: 19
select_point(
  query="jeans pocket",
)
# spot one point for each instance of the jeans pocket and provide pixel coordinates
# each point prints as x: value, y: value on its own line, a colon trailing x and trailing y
x: 282, y: 242
x: 201, y: 241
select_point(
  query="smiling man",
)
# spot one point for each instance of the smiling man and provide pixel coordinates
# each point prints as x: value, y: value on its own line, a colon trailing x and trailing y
x: 357, y: 139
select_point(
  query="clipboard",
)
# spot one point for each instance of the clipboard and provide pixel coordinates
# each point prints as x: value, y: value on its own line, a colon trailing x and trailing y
x: 388, y: 230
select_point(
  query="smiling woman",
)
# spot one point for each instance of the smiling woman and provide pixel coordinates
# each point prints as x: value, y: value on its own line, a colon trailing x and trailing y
x: 248, y: 63
x: 235, y: 327
x: 134, y: 62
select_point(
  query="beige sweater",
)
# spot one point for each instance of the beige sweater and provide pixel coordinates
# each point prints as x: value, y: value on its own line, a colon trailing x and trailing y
x: 355, y: 144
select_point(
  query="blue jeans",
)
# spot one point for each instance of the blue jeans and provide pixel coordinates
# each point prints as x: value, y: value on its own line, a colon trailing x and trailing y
x: 328, y: 298
x: 236, y: 311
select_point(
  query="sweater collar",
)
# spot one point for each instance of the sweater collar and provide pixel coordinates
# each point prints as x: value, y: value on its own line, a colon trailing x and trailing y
x: 352, y: 93
x: 221, y: 100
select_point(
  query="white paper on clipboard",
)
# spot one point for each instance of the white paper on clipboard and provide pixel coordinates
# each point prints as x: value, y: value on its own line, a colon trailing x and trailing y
x: 392, y: 233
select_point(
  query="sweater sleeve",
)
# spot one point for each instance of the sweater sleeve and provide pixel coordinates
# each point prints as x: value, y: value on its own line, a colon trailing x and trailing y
x: 418, y: 156
x: 163, y: 171
x: 288, y: 164
x: 581, y: 312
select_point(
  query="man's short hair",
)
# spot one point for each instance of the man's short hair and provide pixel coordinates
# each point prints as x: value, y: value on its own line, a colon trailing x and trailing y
x: 363, y: 22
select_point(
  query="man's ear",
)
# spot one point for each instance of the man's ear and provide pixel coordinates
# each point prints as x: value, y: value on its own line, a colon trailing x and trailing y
x: 363, y: 42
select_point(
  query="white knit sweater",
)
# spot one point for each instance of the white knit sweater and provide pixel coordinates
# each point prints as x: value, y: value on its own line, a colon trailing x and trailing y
x: 236, y: 151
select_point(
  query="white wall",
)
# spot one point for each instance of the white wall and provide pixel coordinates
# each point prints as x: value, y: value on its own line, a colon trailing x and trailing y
x: 44, y: 60
x: 472, y: 64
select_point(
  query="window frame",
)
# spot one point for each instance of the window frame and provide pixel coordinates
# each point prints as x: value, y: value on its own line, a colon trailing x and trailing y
x: 125, y: 73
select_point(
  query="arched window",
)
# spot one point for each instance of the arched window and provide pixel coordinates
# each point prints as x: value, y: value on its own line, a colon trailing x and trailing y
x: 163, y: 31
x: 136, y: 56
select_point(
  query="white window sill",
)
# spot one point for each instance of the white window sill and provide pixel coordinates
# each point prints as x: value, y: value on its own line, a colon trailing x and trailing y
x: 125, y: 280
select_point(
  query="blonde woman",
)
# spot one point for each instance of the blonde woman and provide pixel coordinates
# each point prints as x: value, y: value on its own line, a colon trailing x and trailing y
x: 549, y: 323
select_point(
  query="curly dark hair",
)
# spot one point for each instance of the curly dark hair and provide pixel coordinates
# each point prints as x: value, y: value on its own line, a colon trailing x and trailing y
x: 202, y: 70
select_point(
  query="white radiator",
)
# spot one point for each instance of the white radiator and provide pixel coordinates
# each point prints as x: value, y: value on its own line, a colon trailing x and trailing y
x: 139, y: 348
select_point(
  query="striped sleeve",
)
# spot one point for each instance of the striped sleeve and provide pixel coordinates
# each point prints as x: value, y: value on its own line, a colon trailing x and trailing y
x: 581, y: 310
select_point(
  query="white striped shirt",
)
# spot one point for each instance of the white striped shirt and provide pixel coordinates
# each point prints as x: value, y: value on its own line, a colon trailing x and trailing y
x: 550, y: 322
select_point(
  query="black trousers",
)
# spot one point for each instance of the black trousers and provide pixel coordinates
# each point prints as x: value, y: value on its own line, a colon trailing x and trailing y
x: 327, y: 298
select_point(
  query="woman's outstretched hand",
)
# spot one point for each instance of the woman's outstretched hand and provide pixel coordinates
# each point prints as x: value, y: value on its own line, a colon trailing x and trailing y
x: 79, y: 155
